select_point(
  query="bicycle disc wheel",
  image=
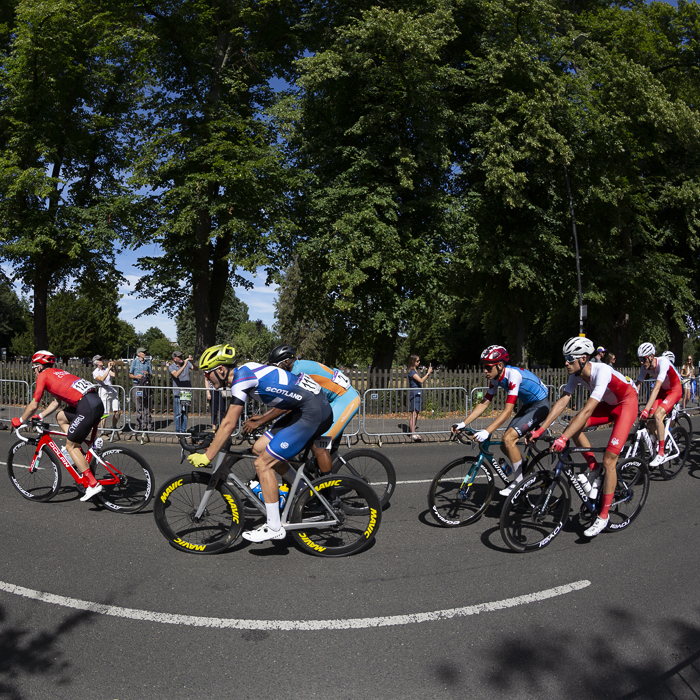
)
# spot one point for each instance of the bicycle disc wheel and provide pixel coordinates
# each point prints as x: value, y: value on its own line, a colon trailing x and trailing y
x: 175, y: 508
x: 354, y: 504
x: 37, y: 481
x: 134, y: 489
x: 461, y: 492
x: 630, y: 493
x: 371, y: 467
x: 671, y: 468
x: 535, y: 512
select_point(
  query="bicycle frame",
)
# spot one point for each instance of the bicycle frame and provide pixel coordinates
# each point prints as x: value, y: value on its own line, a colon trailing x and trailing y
x: 643, y: 433
x: 221, y: 467
x: 484, y: 454
x: 46, y: 441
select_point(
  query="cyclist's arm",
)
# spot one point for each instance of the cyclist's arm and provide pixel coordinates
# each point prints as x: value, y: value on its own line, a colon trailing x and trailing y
x: 505, y: 415
x: 555, y: 411
x: 578, y: 422
x: 653, y: 395
x: 480, y: 408
x: 50, y: 408
x: 30, y: 410
x: 255, y: 422
x: 228, y: 425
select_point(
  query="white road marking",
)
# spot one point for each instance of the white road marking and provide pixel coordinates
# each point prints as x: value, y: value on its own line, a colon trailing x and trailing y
x: 290, y: 625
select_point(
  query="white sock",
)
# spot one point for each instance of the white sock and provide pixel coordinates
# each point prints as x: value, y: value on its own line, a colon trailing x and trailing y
x: 517, y: 471
x: 273, y: 515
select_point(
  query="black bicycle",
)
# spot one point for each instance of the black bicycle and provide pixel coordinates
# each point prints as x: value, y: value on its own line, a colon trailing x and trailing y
x: 537, y: 510
x: 463, y: 489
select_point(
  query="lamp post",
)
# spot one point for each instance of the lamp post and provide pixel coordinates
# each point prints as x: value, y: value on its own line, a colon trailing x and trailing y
x: 580, y: 39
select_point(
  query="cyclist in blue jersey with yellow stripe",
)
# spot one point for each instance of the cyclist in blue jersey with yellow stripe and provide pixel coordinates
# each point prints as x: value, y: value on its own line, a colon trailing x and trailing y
x: 520, y: 384
x: 308, y: 416
x: 344, y: 400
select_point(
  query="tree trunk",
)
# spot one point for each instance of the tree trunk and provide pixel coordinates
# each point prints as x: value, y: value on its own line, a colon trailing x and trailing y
x: 41, y: 299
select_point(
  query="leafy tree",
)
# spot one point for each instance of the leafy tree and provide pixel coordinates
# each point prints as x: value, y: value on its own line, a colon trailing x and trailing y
x: 209, y: 154
x: 161, y: 348
x: 149, y: 337
x: 373, y: 122
x: 234, y: 313
x: 14, y: 314
x: 66, y: 89
x: 295, y: 326
x: 253, y: 341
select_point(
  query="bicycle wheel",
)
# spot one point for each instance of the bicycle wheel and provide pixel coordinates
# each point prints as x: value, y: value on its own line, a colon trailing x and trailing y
x: 535, y: 512
x: 36, y: 479
x: 461, y: 492
x: 630, y: 493
x: 356, y: 506
x: 683, y: 421
x: 175, y: 508
x: 671, y: 468
x: 371, y: 467
x: 134, y: 487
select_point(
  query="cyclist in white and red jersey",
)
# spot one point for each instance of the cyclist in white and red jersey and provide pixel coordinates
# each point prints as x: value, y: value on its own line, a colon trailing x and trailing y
x: 520, y: 384
x: 83, y: 412
x: 613, y: 398
x: 667, y: 392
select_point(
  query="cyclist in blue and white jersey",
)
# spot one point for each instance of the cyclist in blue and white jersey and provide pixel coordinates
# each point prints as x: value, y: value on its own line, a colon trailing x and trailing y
x: 309, y: 416
x: 344, y: 400
x: 520, y: 384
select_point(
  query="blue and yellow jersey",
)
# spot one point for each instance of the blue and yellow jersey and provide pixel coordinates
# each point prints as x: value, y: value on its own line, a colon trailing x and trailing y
x: 333, y: 382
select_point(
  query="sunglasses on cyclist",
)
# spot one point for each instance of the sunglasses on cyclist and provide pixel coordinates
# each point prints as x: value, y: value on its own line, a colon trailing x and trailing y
x: 569, y: 359
x: 208, y: 372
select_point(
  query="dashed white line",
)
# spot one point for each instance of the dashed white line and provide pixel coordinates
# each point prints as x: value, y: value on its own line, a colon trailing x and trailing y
x: 290, y: 625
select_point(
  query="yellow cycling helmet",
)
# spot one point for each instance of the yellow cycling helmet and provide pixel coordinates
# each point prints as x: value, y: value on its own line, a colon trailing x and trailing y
x: 217, y: 355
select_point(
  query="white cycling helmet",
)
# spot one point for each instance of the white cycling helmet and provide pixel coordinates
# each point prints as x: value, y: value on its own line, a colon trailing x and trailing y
x: 578, y: 346
x: 670, y: 356
x: 645, y: 350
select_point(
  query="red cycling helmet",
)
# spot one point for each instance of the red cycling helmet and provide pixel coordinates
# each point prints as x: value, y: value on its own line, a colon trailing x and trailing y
x: 43, y: 357
x: 494, y: 354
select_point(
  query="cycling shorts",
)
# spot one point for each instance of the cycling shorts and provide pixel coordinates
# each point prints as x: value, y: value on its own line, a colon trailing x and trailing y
x: 344, y: 408
x: 667, y: 398
x: 84, y: 416
x: 290, y: 434
x: 529, y: 417
x: 623, y: 415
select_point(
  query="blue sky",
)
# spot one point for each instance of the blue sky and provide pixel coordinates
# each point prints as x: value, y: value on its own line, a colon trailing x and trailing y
x: 259, y: 299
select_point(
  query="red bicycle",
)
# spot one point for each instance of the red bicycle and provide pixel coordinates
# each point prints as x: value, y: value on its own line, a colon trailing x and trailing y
x: 34, y: 467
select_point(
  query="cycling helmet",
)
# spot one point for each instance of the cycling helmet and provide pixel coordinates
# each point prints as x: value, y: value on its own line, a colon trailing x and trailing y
x: 670, y: 356
x: 280, y: 354
x: 645, y: 350
x: 43, y: 357
x: 578, y: 346
x: 494, y: 354
x: 217, y: 355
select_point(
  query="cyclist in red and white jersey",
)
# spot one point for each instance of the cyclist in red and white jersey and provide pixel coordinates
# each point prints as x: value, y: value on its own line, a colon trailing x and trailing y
x: 667, y: 392
x: 84, y: 410
x: 613, y: 398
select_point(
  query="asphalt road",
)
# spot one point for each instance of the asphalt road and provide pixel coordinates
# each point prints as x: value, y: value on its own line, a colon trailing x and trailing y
x: 628, y: 628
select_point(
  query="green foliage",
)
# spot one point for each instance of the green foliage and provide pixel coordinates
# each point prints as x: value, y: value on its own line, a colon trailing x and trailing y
x: 253, y: 341
x: 161, y: 349
x: 234, y: 313
x: 15, y: 318
x: 66, y: 88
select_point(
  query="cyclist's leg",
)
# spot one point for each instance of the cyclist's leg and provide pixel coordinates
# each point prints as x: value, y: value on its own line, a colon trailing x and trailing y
x: 527, y: 418
x: 344, y: 408
x: 88, y: 412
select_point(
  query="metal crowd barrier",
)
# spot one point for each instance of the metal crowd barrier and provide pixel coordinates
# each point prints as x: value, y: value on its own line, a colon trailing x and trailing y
x: 385, y: 412
x: 152, y: 409
x: 14, y: 397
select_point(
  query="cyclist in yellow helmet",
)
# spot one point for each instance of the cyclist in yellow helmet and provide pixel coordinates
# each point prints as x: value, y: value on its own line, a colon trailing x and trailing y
x: 309, y: 415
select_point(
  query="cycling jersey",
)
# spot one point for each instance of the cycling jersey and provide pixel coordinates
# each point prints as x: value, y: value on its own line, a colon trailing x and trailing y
x: 272, y: 386
x: 63, y: 385
x: 606, y: 384
x: 617, y: 401
x: 664, y: 372
x: 520, y: 384
x: 344, y: 400
x: 333, y: 382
